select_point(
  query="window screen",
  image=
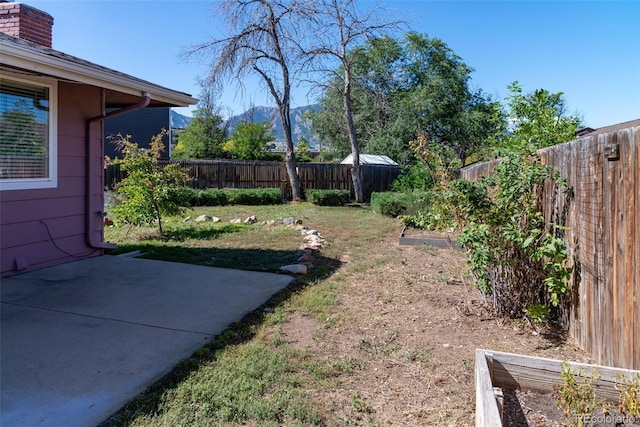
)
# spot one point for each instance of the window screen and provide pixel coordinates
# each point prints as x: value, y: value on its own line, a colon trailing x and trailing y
x: 24, y: 130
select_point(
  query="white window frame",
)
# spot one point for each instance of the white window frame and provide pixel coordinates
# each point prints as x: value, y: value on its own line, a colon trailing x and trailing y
x: 50, y: 181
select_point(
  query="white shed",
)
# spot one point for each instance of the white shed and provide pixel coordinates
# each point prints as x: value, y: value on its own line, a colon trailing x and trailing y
x: 370, y: 159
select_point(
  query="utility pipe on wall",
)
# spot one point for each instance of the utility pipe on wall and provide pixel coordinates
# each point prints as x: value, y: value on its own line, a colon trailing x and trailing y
x: 93, y: 212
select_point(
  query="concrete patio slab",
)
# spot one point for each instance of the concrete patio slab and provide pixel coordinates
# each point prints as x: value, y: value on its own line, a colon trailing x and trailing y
x: 80, y: 340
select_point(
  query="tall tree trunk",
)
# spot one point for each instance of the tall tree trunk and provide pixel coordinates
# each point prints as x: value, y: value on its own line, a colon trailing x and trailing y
x: 284, y: 106
x: 353, y: 139
x: 290, y: 157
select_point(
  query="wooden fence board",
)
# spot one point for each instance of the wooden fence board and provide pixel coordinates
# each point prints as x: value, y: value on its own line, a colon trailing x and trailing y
x: 603, y: 239
x: 245, y: 174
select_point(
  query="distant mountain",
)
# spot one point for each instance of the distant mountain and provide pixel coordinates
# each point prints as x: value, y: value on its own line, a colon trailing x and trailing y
x: 179, y: 121
x: 300, y: 126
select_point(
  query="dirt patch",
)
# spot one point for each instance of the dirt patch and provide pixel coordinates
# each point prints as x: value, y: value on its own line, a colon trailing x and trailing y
x: 541, y: 410
x: 412, y: 318
x: 300, y: 331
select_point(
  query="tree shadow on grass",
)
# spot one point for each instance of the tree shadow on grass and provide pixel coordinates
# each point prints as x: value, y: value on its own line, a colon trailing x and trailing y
x: 243, y: 259
x: 240, y: 332
x: 193, y: 232
x: 201, y: 233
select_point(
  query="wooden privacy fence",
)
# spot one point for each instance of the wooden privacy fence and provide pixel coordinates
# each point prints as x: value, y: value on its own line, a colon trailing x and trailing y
x: 243, y: 174
x: 603, y: 216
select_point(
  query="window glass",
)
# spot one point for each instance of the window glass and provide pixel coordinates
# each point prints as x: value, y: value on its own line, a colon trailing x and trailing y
x: 25, y: 127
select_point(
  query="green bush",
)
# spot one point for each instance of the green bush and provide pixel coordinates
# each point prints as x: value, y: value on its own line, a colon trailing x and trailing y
x: 254, y: 196
x: 208, y: 197
x: 236, y: 196
x: 328, y: 197
x: 394, y: 204
x: 519, y: 261
x: 391, y: 203
x: 418, y: 177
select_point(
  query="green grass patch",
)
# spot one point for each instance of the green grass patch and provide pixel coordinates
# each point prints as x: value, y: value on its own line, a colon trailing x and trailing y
x: 249, y: 374
x: 252, y: 381
x: 317, y: 301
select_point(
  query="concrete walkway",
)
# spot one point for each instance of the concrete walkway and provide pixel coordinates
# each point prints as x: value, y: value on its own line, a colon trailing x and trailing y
x: 80, y: 340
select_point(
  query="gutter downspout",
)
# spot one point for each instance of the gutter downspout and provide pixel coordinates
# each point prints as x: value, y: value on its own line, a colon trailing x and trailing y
x: 93, y: 212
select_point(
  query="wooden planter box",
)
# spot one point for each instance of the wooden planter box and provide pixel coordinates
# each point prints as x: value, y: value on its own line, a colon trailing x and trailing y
x: 498, y: 370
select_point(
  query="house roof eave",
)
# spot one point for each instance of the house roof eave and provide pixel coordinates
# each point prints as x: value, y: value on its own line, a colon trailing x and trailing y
x: 62, y: 66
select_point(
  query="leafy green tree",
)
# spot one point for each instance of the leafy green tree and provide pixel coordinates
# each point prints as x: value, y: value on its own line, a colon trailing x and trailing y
x: 251, y: 141
x: 478, y: 124
x: 150, y: 191
x: 203, y: 138
x: 405, y: 86
x: 303, y: 152
x: 539, y: 119
x: 340, y: 27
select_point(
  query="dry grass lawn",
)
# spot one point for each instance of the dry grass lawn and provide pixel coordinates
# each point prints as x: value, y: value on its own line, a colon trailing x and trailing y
x: 381, y: 334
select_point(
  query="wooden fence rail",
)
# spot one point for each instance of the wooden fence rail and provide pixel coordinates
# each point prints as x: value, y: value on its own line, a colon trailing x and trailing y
x: 243, y: 174
x: 603, y: 216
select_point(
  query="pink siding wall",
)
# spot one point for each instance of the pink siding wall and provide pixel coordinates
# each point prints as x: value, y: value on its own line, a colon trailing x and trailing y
x: 62, y: 209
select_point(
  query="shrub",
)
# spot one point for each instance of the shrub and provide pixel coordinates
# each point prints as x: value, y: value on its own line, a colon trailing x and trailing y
x: 236, y: 196
x: 395, y: 204
x: 208, y: 197
x: 149, y: 191
x: 328, y: 197
x: 254, y: 196
x: 391, y: 203
x: 418, y: 177
x: 519, y: 262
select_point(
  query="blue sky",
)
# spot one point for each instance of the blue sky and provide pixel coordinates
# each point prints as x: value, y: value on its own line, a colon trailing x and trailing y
x: 589, y: 50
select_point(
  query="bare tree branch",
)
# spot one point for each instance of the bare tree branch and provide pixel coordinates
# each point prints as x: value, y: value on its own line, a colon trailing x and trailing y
x: 263, y: 42
x: 341, y: 31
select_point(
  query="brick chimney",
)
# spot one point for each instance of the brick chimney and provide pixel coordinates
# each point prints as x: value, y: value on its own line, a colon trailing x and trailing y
x: 26, y: 22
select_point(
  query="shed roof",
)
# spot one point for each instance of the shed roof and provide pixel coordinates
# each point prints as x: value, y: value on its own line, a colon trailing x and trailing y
x: 370, y: 159
x: 20, y: 54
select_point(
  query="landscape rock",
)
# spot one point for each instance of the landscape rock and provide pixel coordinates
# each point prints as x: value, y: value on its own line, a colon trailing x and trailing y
x: 251, y: 220
x: 294, y: 269
x: 187, y: 219
x: 311, y: 246
x: 236, y: 221
x: 307, y: 255
x: 313, y: 239
x: 204, y: 218
x: 288, y: 221
x: 272, y: 222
